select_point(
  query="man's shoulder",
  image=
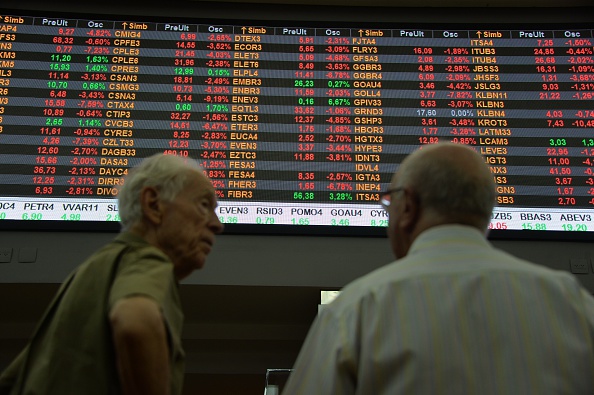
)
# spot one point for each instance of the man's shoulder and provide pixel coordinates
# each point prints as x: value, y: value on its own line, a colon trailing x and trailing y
x: 420, y: 270
x: 132, y: 244
x: 363, y: 287
x: 124, y: 249
x: 139, y: 247
x: 141, y: 269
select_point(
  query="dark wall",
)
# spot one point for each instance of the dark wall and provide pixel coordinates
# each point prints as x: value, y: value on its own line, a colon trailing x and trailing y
x: 259, y: 261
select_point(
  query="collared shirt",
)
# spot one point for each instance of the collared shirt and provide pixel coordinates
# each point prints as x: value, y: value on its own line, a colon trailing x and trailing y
x: 455, y: 316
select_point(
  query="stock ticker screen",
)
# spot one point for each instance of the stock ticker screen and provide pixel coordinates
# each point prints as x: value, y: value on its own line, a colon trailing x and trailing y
x: 295, y: 124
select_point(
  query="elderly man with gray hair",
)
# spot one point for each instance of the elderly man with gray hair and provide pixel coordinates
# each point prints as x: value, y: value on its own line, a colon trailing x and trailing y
x: 115, y: 325
x: 452, y: 315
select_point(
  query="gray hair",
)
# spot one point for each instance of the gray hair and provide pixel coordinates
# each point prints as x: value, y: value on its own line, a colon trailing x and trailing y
x: 167, y: 173
x: 453, y: 181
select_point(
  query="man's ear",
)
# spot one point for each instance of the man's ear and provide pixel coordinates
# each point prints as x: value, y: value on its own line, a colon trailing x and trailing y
x: 151, y: 205
x: 412, y: 210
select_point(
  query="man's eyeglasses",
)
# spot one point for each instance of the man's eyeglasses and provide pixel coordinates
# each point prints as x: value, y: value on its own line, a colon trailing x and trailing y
x: 386, y: 198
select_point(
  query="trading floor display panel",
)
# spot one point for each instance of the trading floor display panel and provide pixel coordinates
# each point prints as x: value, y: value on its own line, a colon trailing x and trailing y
x: 299, y: 126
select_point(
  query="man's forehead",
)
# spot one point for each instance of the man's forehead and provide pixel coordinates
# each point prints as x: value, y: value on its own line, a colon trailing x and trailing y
x: 199, y: 182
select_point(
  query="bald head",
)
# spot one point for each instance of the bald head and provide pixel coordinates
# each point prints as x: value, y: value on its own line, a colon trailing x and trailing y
x: 452, y: 182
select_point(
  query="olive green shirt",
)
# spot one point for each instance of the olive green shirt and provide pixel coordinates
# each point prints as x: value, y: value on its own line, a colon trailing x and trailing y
x: 72, y: 350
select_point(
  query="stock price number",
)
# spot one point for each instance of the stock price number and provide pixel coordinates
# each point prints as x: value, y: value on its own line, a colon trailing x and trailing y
x: 303, y: 196
x: 112, y: 217
x: 575, y: 227
x: 306, y: 176
x: 566, y: 201
x: 44, y: 190
x: 265, y: 220
x: 32, y: 216
x: 339, y: 222
x: 534, y: 226
x: 229, y: 220
x: 5, y: 206
x: 557, y: 142
x: 70, y: 217
x: 379, y: 222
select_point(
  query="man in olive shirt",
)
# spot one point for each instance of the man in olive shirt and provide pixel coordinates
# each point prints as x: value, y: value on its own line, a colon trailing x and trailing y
x: 115, y: 325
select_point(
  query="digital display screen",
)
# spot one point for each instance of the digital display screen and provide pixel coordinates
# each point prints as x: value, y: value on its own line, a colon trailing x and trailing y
x: 297, y: 125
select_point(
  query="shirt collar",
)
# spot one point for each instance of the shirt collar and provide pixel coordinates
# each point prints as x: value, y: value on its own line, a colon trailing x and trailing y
x: 128, y: 237
x: 448, y: 235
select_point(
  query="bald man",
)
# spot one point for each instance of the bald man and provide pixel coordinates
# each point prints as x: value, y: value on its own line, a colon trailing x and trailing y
x: 452, y: 315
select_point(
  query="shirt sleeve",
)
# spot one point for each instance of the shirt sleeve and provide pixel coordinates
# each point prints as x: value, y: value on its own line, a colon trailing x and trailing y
x: 145, y: 272
x: 326, y: 364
